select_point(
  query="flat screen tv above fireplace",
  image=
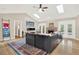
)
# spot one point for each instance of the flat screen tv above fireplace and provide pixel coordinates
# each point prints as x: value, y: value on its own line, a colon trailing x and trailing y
x: 30, y: 26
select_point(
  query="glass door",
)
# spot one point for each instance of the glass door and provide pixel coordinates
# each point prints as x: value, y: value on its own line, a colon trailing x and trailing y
x: 6, y: 29
x: 67, y: 28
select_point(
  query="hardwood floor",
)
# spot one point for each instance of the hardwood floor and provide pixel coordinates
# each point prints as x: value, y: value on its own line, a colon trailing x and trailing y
x: 5, y: 49
x: 66, y: 47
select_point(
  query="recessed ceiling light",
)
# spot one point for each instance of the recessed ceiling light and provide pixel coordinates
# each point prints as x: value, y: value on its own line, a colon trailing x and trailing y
x: 60, y: 9
x: 36, y: 15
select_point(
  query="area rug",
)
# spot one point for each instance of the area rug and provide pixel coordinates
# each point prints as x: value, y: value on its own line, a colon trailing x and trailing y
x: 25, y: 49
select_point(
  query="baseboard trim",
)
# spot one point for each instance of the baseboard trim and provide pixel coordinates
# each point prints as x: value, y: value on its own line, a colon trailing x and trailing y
x: 72, y: 38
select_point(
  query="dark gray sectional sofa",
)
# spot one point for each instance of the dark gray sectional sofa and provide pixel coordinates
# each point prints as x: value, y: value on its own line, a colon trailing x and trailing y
x: 44, y: 42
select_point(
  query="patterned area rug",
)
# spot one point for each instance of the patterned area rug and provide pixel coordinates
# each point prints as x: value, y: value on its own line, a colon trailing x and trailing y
x: 33, y: 50
x: 25, y: 49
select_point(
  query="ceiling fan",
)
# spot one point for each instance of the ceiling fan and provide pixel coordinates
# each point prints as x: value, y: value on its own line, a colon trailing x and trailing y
x: 41, y: 8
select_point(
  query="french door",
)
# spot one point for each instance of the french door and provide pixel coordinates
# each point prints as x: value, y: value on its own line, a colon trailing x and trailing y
x: 67, y: 28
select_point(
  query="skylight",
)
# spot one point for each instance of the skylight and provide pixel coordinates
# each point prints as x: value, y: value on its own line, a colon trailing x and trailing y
x: 60, y: 9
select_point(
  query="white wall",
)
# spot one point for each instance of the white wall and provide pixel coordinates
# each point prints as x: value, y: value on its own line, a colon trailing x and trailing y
x: 1, y: 39
x: 77, y: 27
x: 19, y: 18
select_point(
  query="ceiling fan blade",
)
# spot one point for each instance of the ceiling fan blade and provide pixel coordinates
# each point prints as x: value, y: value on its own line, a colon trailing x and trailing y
x: 45, y: 7
x: 40, y: 6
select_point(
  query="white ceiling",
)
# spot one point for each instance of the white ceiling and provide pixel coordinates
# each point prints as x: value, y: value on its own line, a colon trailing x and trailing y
x: 70, y: 10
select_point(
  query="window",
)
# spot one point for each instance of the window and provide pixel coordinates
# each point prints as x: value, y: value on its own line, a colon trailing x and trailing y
x: 62, y: 28
x: 39, y: 29
x: 43, y: 29
x: 69, y: 29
